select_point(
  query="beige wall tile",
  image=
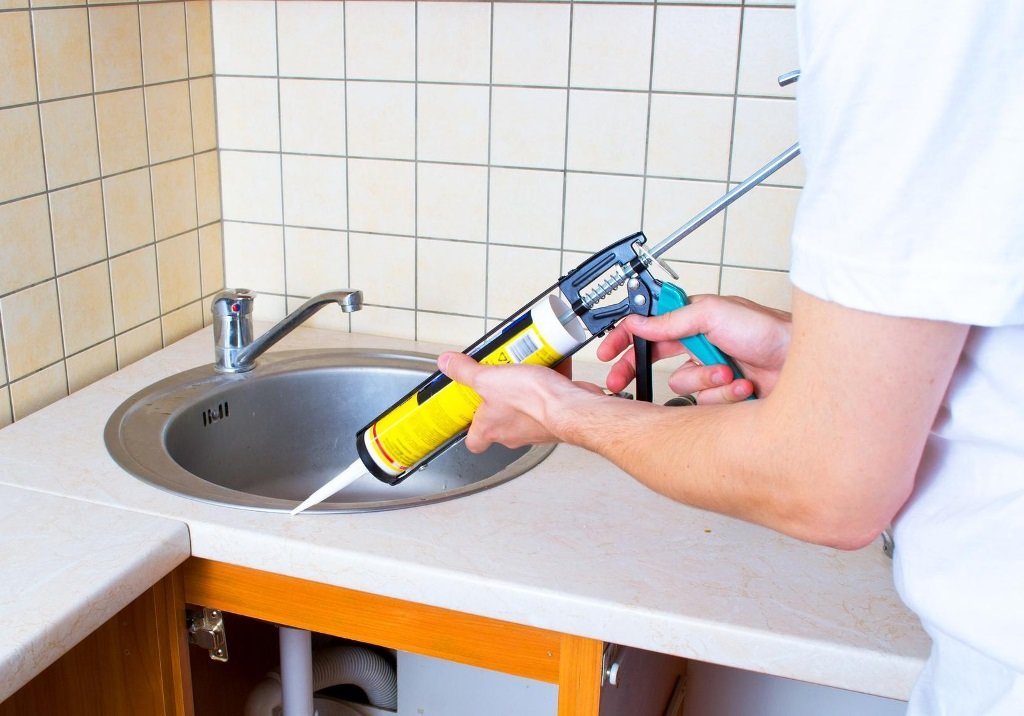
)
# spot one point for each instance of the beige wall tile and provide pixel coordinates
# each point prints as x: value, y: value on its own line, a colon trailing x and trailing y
x: 600, y: 209
x: 689, y: 136
x: 69, y: 141
x: 516, y: 275
x: 384, y: 268
x: 6, y: 417
x: 251, y: 186
x: 174, y: 197
x: 169, y: 121
x: 39, y: 390
x: 116, y: 49
x: 199, y: 32
x: 528, y: 127
x: 207, y: 187
x: 12, y: 4
x: 379, y: 321
x: 451, y: 201
x: 770, y: 288
x: 531, y: 44
x: 211, y: 259
x: 381, y: 120
x: 26, y: 253
x: 204, y: 123
x: 18, y: 80
x: 269, y: 308
x: 21, y: 172
x: 525, y: 207
x: 31, y: 329
x: 440, y: 139
x: 450, y: 275
x: 85, y: 308
x: 606, y: 131
x: 129, y: 211
x: 138, y: 343
x: 122, y: 130
x: 453, y: 42
x: 758, y: 229
x: 314, y: 191
x: 763, y: 128
x: 313, y: 116
x: 90, y: 365
x: 696, y: 49
x: 62, y: 52
x: 310, y: 39
x: 247, y: 114
x: 611, y: 46
x: 381, y: 196
x: 133, y: 282
x: 315, y: 261
x: 257, y: 257
x: 245, y: 37
x: 76, y: 214
x: 183, y: 322
x: 3, y: 362
x: 178, y: 271
x: 381, y: 40
x: 768, y: 49
x: 669, y: 203
x: 450, y: 330
x: 164, y: 55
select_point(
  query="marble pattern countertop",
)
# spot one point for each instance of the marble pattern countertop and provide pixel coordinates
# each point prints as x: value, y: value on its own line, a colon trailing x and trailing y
x: 67, y: 567
x: 575, y: 545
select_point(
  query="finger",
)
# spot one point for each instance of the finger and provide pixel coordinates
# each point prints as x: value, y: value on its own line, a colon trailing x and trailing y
x: 476, y: 444
x: 459, y: 367
x: 735, y: 392
x: 692, y: 378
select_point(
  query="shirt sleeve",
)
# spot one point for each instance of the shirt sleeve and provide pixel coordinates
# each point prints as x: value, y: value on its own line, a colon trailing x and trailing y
x: 912, y: 132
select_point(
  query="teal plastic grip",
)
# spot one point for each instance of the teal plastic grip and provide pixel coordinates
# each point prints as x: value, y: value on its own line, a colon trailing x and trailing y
x: 672, y: 297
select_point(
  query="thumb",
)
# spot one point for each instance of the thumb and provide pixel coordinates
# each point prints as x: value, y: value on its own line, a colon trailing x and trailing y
x: 459, y: 367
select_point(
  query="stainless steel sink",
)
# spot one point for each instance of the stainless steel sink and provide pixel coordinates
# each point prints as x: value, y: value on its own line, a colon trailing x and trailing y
x: 267, y: 438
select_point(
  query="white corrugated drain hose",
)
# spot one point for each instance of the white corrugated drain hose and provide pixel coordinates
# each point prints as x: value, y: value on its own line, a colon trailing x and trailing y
x: 334, y: 665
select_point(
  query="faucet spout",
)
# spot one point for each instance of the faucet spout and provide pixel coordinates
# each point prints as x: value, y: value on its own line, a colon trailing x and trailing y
x: 234, y: 347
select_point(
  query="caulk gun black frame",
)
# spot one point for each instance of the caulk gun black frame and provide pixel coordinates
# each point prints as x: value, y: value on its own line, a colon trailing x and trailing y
x: 622, y: 255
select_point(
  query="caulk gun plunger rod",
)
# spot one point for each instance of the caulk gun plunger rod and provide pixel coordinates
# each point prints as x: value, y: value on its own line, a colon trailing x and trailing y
x: 725, y: 200
x: 686, y: 229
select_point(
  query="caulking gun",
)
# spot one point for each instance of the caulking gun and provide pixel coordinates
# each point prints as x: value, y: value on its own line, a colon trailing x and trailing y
x: 436, y: 414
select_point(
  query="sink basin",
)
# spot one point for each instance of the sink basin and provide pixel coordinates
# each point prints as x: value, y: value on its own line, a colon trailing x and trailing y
x: 266, y: 439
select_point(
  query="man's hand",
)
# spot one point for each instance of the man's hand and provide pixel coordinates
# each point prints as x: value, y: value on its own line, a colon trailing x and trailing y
x: 756, y: 337
x: 523, y: 404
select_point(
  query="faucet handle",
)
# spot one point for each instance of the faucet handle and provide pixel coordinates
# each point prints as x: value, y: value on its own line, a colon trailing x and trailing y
x: 233, y: 302
x: 232, y: 325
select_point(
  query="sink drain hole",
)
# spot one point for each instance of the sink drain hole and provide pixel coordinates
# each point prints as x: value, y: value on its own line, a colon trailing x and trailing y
x: 212, y: 415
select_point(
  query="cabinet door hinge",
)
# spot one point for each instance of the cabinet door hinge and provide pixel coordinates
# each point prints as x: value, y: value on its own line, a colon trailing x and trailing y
x: 206, y: 630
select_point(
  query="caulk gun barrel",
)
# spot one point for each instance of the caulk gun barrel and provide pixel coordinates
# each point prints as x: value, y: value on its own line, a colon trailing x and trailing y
x: 725, y: 200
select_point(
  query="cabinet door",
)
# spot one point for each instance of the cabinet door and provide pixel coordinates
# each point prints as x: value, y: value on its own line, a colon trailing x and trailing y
x: 133, y: 664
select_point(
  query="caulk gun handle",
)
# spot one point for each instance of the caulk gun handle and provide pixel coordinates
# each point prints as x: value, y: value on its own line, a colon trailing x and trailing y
x: 672, y: 297
x: 644, y: 369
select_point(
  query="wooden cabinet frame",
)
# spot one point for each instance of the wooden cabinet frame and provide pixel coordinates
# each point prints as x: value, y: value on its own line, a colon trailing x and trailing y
x: 571, y: 662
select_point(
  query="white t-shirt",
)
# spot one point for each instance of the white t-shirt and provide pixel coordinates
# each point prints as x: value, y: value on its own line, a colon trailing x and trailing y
x: 912, y: 131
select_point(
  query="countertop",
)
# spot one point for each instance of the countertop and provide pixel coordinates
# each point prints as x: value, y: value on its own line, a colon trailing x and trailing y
x: 575, y: 545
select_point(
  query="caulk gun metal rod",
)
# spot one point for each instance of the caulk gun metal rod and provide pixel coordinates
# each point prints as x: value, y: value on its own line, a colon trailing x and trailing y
x: 729, y: 197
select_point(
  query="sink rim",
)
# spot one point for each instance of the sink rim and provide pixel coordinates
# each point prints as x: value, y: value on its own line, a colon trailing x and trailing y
x: 134, y: 443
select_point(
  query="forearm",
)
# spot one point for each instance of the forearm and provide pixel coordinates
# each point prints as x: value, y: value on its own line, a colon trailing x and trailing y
x: 829, y: 457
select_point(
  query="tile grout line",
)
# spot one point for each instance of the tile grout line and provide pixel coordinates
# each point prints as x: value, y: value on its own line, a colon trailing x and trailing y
x: 416, y: 172
x: 565, y: 147
x: 49, y: 217
x: 344, y: 108
x: 487, y: 191
x: 280, y: 148
x: 732, y: 147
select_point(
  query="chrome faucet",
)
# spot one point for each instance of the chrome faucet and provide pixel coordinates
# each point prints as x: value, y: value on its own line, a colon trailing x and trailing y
x: 235, y: 351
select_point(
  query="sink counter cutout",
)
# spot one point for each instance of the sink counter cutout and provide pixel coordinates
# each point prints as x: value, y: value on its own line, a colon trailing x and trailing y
x: 573, y: 545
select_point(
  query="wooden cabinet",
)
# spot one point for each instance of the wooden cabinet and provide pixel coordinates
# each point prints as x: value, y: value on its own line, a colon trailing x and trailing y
x: 571, y: 662
x: 137, y: 663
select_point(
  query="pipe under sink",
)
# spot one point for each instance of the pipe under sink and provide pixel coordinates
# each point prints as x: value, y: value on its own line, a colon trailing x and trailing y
x: 267, y: 438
